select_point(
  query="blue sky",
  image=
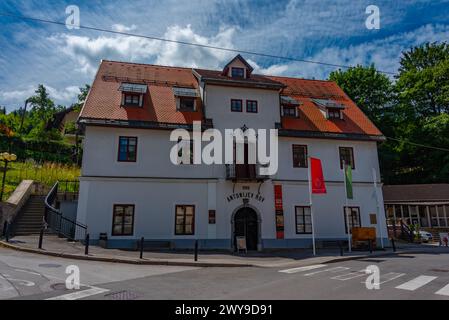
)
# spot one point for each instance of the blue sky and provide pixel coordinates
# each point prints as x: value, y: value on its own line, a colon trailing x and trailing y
x: 329, y: 31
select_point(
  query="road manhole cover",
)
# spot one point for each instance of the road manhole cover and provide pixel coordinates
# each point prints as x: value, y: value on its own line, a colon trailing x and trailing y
x: 49, y: 265
x: 58, y: 286
x: 123, y: 295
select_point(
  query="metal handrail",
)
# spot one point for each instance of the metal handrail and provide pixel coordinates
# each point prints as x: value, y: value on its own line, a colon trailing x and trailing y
x: 54, y: 219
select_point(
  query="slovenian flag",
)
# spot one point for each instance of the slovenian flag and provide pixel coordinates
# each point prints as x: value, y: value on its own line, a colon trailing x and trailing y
x: 318, y: 185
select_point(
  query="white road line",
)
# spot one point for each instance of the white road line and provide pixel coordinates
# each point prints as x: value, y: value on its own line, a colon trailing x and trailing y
x: 332, y: 270
x: 390, y: 276
x: 26, y: 271
x: 416, y: 283
x: 305, y: 268
x: 443, y: 291
x: 80, y: 294
x: 351, y: 275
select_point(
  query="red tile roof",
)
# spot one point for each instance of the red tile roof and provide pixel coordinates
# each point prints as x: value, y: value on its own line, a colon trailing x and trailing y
x: 310, y: 117
x: 104, y: 99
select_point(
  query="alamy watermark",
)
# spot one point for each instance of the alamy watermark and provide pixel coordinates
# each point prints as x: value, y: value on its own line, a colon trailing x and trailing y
x: 237, y: 140
x: 73, y: 19
x: 373, y: 20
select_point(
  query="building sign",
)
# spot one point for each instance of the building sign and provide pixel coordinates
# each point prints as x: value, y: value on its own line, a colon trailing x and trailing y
x: 245, y: 195
x: 279, y: 209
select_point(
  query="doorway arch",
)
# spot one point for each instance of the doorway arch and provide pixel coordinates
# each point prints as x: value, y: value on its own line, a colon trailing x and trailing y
x: 246, y: 223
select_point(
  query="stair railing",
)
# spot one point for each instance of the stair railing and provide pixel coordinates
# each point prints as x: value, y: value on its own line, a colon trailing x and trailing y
x: 55, y: 220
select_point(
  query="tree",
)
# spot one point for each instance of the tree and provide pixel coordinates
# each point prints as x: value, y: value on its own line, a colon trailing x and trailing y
x: 368, y: 88
x: 81, y: 98
x: 423, y: 79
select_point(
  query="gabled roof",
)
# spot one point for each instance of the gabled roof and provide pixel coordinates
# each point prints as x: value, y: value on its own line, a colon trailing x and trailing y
x: 256, y: 80
x: 311, y: 119
x: 242, y: 60
x: 159, y: 106
x: 103, y: 103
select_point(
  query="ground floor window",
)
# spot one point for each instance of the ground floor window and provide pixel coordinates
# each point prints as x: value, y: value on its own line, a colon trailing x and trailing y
x: 123, y: 220
x: 185, y: 220
x: 303, y: 220
x: 353, y: 213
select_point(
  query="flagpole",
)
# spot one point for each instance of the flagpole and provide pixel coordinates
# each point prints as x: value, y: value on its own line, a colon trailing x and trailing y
x: 346, y: 208
x: 310, y: 201
x: 378, y: 209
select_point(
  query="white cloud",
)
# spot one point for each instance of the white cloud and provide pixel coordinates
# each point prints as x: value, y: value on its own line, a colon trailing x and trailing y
x: 64, y: 96
x: 122, y: 28
x: 88, y: 52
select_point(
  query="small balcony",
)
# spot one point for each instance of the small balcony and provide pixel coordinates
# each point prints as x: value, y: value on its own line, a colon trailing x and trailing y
x: 245, y: 172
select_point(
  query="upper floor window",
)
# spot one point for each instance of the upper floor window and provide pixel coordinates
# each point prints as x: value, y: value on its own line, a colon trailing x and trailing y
x: 185, y: 151
x: 236, y: 105
x: 289, y: 111
x: 127, y: 149
x: 347, y: 157
x: 251, y: 106
x: 333, y: 113
x: 123, y: 220
x: 299, y: 156
x: 132, y: 99
x: 185, y: 220
x: 237, y: 72
x: 186, y: 104
x: 132, y: 94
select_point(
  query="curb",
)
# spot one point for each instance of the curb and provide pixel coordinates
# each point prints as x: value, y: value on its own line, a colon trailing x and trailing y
x: 127, y: 261
x: 191, y: 264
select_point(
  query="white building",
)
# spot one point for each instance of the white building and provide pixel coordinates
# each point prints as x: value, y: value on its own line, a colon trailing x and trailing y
x: 130, y: 189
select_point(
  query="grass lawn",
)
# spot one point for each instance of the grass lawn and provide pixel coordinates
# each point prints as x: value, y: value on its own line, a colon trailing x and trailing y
x: 47, y: 173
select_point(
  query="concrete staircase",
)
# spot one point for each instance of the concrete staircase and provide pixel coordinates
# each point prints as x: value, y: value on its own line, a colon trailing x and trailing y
x: 29, y: 219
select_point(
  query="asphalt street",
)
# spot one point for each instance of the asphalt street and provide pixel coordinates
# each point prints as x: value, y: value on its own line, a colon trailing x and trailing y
x: 404, y: 277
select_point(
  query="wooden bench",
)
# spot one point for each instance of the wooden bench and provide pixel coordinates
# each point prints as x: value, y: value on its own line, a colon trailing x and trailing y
x: 154, y: 245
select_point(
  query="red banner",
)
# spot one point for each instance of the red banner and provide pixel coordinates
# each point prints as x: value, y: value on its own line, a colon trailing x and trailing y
x: 279, y: 211
x: 318, y: 185
x: 278, y: 197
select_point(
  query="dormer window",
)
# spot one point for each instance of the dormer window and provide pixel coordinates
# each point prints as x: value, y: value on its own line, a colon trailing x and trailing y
x: 132, y: 94
x: 186, y: 99
x: 333, y: 113
x: 330, y: 108
x: 289, y: 107
x: 237, y: 72
x: 289, y: 111
x: 238, y: 68
x: 186, y: 104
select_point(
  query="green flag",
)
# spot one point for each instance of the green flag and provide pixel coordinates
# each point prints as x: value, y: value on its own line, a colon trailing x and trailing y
x: 348, y: 178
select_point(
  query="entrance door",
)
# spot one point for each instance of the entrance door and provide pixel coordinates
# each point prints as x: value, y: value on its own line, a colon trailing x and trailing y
x: 246, y: 225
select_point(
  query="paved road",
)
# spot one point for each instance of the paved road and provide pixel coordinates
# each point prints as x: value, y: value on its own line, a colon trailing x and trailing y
x: 414, y: 276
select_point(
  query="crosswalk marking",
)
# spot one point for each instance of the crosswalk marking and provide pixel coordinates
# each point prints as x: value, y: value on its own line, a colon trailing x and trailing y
x: 350, y: 275
x: 332, y: 270
x: 443, y: 291
x: 416, y: 283
x: 80, y: 294
x: 390, y: 276
x: 305, y: 268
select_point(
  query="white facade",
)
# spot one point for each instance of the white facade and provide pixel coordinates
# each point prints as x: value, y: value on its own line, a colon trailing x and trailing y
x: 155, y: 186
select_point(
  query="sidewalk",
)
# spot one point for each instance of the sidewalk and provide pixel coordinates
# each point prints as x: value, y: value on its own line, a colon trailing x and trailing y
x: 59, y: 247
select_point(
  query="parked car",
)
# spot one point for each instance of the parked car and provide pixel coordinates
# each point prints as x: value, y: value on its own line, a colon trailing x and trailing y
x: 425, y: 236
